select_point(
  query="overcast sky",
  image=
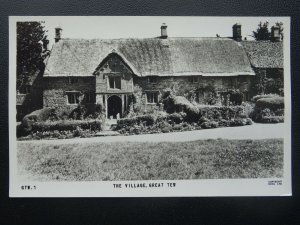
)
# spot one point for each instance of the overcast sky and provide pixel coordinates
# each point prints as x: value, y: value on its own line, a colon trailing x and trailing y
x: 145, y: 27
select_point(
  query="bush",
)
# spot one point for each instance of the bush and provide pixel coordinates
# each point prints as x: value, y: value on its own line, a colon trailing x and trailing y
x: 64, y: 125
x: 36, y: 116
x: 176, y: 117
x: 270, y: 103
x: 179, y: 104
x: 272, y: 119
x: 79, y: 113
x: 257, y: 97
x: 209, y: 124
x: 238, y: 122
x: 268, y: 107
x: 217, y: 113
x: 248, y: 108
x: 236, y: 97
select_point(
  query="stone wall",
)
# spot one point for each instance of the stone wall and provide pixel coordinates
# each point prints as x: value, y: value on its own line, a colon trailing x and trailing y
x: 183, y: 85
x: 56, y: 88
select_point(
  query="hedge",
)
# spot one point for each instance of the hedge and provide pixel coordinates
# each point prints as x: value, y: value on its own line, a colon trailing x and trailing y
x: 177, y: 104
x: 270, y: 103
x: 150, y: 120
x: 217, y: 113
x: 257, y: 97
x: 64, y: 125
x: 36, y: 116
x: 272, y: 119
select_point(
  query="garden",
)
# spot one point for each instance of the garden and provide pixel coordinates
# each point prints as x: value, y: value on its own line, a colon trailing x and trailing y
x: 173, y: 114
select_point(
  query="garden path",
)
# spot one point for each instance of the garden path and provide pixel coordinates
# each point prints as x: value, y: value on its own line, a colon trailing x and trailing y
x: 255, y: 131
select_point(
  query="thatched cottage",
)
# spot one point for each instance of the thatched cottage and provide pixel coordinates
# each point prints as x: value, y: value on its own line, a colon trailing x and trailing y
x: 107, y: 72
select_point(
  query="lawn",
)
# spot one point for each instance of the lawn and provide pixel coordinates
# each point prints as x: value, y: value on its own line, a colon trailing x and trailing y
x: 203, y: 159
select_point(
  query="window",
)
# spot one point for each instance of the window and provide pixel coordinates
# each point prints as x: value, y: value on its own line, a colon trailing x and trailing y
x: 73, y: 97
x: 90, y: 97
x: 73, y: 80
x: 152, y: 97
x: 193, y: 79
x: 152, y: 80
x: 114, y: 82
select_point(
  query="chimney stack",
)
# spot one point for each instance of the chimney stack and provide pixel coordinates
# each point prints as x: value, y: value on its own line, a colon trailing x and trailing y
x: 58, y: 33
x: 163, y: 29
x: 237, y: 32
x: 275, y: 33
x: 45, y: 44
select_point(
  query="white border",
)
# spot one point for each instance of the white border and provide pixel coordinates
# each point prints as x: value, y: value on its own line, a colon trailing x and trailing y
x: 212, y: 187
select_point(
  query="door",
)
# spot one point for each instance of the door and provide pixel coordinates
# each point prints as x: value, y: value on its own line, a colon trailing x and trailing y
x: 114, y: 106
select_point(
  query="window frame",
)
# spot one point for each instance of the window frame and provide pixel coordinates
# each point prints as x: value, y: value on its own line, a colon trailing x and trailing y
x: 114, y: 82
x: 155, y: 97
x: 74, y: 94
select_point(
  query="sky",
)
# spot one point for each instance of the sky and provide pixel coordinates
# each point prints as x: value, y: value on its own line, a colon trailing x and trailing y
x: 90, y: 27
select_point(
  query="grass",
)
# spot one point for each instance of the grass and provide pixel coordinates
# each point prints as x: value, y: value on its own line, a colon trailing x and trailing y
x: 203, y: 159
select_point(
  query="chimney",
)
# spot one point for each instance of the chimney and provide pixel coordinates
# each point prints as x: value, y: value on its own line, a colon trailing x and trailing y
x: 163, y: 29
x: 58, y: 31
x: 237, y: 32
x: 275, y: 33
x: 45, y: 44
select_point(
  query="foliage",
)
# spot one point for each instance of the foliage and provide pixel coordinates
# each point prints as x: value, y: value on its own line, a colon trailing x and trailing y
x: 30, y: 53
x: 236, y: 97
x: 262, y: 32
x: 268, y: 109
x: 37, y: 116
x: 63, y: 125
x: 257, y: 97
x: 180, y: 104
x: 271, y: 103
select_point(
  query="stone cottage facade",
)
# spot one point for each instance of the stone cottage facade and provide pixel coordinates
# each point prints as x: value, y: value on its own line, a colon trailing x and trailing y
x: 108, y: 72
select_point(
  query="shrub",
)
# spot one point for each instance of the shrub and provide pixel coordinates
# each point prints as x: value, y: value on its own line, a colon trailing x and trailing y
x: 236, y: 97
x: 176, y: 117
x: 257, y: 97
x: 272, y: 119
x: 180, y: 104
x: 248, y: 108
x: 36, y: 116
x: 216, y: 113
x: 146, y: 119
x: 268, y: 107
x: 64, y: 125
x: 270, y: 103
x: 79, y: 113
x: 238, y: 122
x: 209, y: 124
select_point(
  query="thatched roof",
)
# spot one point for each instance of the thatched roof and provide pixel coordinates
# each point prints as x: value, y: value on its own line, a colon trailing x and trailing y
x: 264, y: 54
x: 151, y: 56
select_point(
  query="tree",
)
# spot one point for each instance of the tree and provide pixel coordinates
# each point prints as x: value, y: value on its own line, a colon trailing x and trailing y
x: 30, y: 39
x: 262, y: 32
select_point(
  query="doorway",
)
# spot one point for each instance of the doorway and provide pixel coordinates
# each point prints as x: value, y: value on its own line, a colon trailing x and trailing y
x: 114, y: 106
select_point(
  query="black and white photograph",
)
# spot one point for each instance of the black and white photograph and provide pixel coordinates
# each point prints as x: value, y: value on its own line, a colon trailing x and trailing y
x: 125, y: 106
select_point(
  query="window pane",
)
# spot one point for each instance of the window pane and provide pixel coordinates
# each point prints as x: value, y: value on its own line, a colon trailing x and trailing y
x: 111, y: 82
x: 118, y: 82
x: 77, y: 98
